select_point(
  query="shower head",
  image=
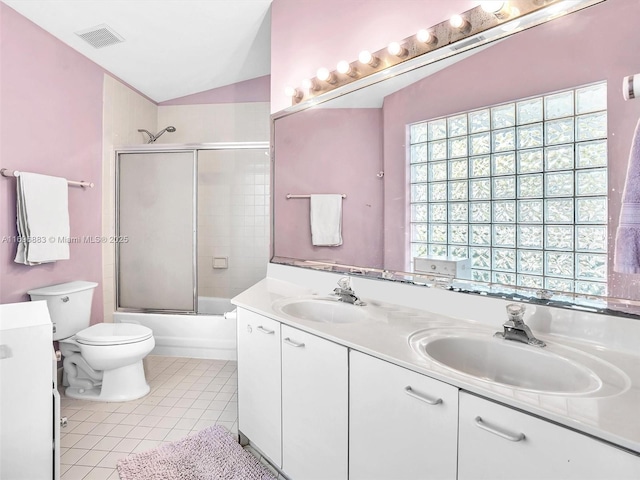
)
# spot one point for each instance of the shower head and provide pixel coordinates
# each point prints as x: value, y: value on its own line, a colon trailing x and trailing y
x: 169, y: 129
x: 153, y: 138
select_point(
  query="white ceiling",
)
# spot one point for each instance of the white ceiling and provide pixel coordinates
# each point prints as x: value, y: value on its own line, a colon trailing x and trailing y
x: 172, y: 48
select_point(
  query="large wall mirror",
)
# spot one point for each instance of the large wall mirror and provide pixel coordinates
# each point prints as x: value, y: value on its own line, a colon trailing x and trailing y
x: 513, y: 154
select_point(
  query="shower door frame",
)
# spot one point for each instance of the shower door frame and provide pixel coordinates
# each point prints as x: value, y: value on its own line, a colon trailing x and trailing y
x: 171, y: 148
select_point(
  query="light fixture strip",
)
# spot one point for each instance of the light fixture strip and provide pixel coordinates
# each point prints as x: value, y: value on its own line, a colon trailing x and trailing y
x: 478, y: 21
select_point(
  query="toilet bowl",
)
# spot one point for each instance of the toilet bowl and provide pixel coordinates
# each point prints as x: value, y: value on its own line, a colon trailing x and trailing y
x: 102, y: 362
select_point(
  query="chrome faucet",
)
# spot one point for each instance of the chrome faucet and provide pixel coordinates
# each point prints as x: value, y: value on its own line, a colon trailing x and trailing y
x: 345, y: 293
x: 516, y: 329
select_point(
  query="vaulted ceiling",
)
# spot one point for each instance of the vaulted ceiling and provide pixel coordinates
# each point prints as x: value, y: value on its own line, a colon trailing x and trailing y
x: 171, y: 48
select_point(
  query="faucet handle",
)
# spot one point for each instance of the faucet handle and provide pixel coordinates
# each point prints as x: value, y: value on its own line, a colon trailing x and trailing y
x: 345, y: 283
x: 515, y: 311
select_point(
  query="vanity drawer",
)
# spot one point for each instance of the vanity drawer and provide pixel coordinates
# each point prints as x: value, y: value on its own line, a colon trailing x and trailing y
x: 498, y: 442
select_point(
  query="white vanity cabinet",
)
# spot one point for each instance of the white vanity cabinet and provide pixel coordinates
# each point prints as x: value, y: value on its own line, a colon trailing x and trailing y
x: 498, y: 442
x: 29, y: 406
x: 319, y: 410
x: 314, y: 407
x: 259, y: 387
x: 402, y: 425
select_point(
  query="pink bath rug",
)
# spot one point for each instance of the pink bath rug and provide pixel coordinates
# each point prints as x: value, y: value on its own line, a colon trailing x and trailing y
x: 212, y: 454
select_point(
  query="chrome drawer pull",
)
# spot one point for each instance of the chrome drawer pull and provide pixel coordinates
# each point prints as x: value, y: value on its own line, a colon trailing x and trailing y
x: 288, y: 341
x: 431, y: 401
x: 265, y: 330
x: 512, y: 437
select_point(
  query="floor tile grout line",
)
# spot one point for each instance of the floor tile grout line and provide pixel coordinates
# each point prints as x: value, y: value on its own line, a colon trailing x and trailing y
x: 106, y: 429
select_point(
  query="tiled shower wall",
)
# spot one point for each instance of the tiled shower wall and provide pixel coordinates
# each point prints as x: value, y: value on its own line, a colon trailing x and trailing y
x: 233, y: 196
x: 233, y: 220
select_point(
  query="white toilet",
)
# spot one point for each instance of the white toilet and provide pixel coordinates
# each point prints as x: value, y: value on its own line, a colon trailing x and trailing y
x: 102, y: 362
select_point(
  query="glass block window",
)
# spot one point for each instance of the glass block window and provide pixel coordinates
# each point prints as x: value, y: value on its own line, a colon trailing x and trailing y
x: 519, y: 188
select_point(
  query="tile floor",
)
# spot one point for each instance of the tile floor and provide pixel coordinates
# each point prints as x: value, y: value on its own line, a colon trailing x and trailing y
x: 186, y: 396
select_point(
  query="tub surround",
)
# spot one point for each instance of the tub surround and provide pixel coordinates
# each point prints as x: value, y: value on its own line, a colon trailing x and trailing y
x: 400, y: 310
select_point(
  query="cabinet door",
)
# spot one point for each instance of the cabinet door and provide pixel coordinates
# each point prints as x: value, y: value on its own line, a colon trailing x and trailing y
x: 497, y: 442
x: 402, y: 425
x: 26, y: 407
x: 314, y: 407
x: 259, y: 412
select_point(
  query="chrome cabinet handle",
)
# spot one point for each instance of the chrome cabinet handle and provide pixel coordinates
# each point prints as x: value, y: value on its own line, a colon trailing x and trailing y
x: 288, y: 341
x: 423, y: 398
x: 265, y: 330
x: 512, y: 437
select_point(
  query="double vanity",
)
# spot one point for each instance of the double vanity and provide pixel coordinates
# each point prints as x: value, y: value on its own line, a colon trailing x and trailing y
x: 397, y: 388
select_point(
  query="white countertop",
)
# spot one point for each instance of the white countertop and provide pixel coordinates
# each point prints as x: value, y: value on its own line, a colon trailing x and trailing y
x: 614, y: 418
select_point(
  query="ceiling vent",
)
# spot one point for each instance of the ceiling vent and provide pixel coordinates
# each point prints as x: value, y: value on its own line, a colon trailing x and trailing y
x: 100, y: 36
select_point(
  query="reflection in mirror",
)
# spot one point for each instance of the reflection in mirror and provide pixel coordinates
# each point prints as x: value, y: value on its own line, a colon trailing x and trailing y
x: 553, y: 179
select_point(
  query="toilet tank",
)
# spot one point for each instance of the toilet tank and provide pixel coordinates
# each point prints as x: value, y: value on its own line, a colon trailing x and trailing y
x: 69, y: 306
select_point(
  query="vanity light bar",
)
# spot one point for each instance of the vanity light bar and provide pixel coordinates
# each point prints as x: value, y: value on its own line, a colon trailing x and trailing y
x: 508, y: 15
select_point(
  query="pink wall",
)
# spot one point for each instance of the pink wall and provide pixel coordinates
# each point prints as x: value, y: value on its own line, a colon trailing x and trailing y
x: 342, y: 159
x: 560, y: 54
x: 254, y: 90
x: 51, y: 113
x: 307, y: 34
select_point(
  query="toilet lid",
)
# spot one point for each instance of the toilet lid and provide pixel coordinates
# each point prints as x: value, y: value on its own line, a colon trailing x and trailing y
x: 113, y: 334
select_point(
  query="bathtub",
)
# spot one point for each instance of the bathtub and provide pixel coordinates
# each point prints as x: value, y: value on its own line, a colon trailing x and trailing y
x: 206, y: 335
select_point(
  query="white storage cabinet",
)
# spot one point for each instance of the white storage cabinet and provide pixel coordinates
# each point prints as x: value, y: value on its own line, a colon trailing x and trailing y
x: 259, y: 388
x: 314, y: 407
x: 402, y: 425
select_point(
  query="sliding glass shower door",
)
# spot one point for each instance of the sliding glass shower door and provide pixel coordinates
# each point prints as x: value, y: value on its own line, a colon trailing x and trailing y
x: 156, y: 231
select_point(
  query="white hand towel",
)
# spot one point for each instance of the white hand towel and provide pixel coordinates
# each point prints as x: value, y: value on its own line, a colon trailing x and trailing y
x: 627, y: 252
x: 326, y: 220
x: 42, y: 219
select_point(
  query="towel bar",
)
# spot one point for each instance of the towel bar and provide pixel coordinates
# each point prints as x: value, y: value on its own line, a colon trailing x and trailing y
x: 289, y: 195
x: 15, y: 173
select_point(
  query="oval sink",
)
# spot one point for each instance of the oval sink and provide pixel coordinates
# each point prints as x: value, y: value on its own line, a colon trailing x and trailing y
x: 321, y: 309
x: 552, y: 369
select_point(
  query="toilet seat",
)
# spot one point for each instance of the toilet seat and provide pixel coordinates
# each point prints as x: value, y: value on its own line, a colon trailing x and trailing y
x: 113, y: 334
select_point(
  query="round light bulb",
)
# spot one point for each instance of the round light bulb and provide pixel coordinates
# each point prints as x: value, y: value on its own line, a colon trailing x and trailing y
x: 290, y: 91
x: 343, y: 67
x: 492, y: 6
x: 456, y: 21
x: 308, y: 84
x: 365, y: 57
x: 395, y: 48
x: 323, y: 74
x: 423, y: 36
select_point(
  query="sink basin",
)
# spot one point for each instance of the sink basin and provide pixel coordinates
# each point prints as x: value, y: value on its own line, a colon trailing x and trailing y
x: 321, y: 309
x: 552, y: 370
